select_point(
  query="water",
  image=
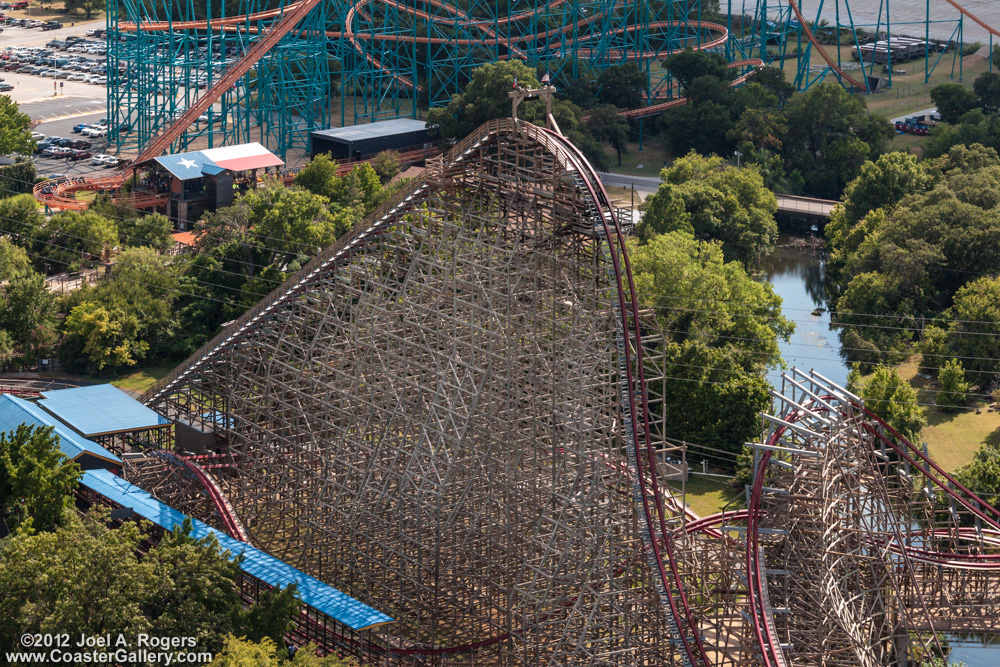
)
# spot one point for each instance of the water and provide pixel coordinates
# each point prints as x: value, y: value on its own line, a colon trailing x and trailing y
x: 798, y: 276
x: 907, y: 16
x: 974, y: 652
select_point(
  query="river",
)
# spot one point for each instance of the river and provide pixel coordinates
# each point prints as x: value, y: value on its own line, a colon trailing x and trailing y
x: 798, y: 276
x: 908, y: 16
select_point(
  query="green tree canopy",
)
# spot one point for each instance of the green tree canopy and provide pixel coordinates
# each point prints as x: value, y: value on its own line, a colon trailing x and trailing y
x: 622, y: 85
x: 36, y: 479
x: 484, y: 99
x: 688, y: 65
x: 15, y: 129
x: 721, y: 331
x: 954, y: 388
x: 972, y: 336
x: 953, y: 100
x: 894, y: 400
x: 607, y: 126
x: 830, y: 136
x: 714, y: 201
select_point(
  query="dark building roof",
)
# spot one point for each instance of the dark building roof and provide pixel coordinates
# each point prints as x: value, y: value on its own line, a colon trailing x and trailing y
x: 385, y: 128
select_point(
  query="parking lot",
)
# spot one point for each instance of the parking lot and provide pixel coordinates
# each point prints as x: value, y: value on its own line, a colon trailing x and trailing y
x: 57, y: 104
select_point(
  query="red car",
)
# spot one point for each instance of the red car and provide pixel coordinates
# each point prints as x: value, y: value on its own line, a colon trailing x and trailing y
x: 19, y: 5
x: 79, y: 155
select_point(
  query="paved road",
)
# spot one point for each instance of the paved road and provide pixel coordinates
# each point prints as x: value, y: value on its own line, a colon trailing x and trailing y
x: 645, y: 184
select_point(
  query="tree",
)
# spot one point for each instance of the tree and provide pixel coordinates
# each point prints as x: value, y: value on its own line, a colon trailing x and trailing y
x: 81, y: 578
x: 88, y: 6
x: 100, y: 340
x: 75, y: 236
x: 720, y: 202
x: 13, y: 260
x: 319, y: 176
x: 982, y: 475
x: 987, y: 90
x: 386, y: 165
x: 954, y: 388
x: 606, y: 125
x: 689, y: 65
x: 15, y: 129
x: 270, y: 616
x: 622, y: 86
x: 772, y: 79
x: 975, y: 314
x: 36, y: 479
x: 266, y: 653
x: 28, y: 314
x: 197, y: 596
x: 484, y: 99
x: 21, y: 220
x: 883, y: 184
x: 953, y: 100
x: 699, y: 297
x: 152, y: 230
x: 894, y: 400
x: 830, y: 135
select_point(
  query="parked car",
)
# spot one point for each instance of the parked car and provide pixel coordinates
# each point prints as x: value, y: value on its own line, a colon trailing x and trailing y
x: 79, y: 144
x: 6, y: 87
x: 65, y: 143
x: 79, y: 127
x: 21, y: 4
x: 57, y: 152
x: 51, y: 25
x: 94, y: 132
x: 78, y: 155
x: 78, y: 77
x: 104, y: 160
x: 37, y: 136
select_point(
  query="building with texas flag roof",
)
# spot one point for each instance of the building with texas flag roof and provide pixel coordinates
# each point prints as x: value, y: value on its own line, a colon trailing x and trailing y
x: 205, y: 180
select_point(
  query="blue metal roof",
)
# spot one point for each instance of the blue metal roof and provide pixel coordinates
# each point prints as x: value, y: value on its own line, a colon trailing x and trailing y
x: 15, y: 411
x: 313, y: 592
x: 98, y: 409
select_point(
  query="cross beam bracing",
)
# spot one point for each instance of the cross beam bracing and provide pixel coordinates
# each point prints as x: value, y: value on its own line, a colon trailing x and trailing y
x: 449, y: 416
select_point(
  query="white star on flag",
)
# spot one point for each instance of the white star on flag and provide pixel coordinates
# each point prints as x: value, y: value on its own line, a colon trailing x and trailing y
x: 188, y: 164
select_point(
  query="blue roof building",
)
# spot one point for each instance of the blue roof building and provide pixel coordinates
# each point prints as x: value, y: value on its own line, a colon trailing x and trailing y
x: 329, y: 601
x: 89, y: 455
x: 109, y: 416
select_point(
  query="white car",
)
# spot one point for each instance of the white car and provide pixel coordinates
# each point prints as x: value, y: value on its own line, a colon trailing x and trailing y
x: 93, y: 132
x: 104, y: 160
x: 37, y: 136
x: 78, y: 77
x: 98, y: 80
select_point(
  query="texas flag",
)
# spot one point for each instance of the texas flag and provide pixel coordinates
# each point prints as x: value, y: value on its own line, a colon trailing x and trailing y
x: 242, y: 157
x: 212, y: 161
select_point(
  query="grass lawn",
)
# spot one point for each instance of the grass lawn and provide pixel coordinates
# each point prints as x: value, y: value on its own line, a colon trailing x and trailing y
x: 706, y: 495
x: 53, y: 12
x: 142, y: 379
x: 623, y: 196
x: 648, y: 162
x: 952, y: 437
x: 86, y: 195
x: 909, y: 143
x: 909, y: 92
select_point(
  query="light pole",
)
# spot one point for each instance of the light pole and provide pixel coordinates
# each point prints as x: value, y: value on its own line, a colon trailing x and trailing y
x: 738, y: 156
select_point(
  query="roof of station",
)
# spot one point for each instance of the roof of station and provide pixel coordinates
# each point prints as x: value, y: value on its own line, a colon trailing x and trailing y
x: 99, y: 410
x: 15, y: 411
x: 326, y: 599
x: 383, y: 128
x: 212, y: 161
